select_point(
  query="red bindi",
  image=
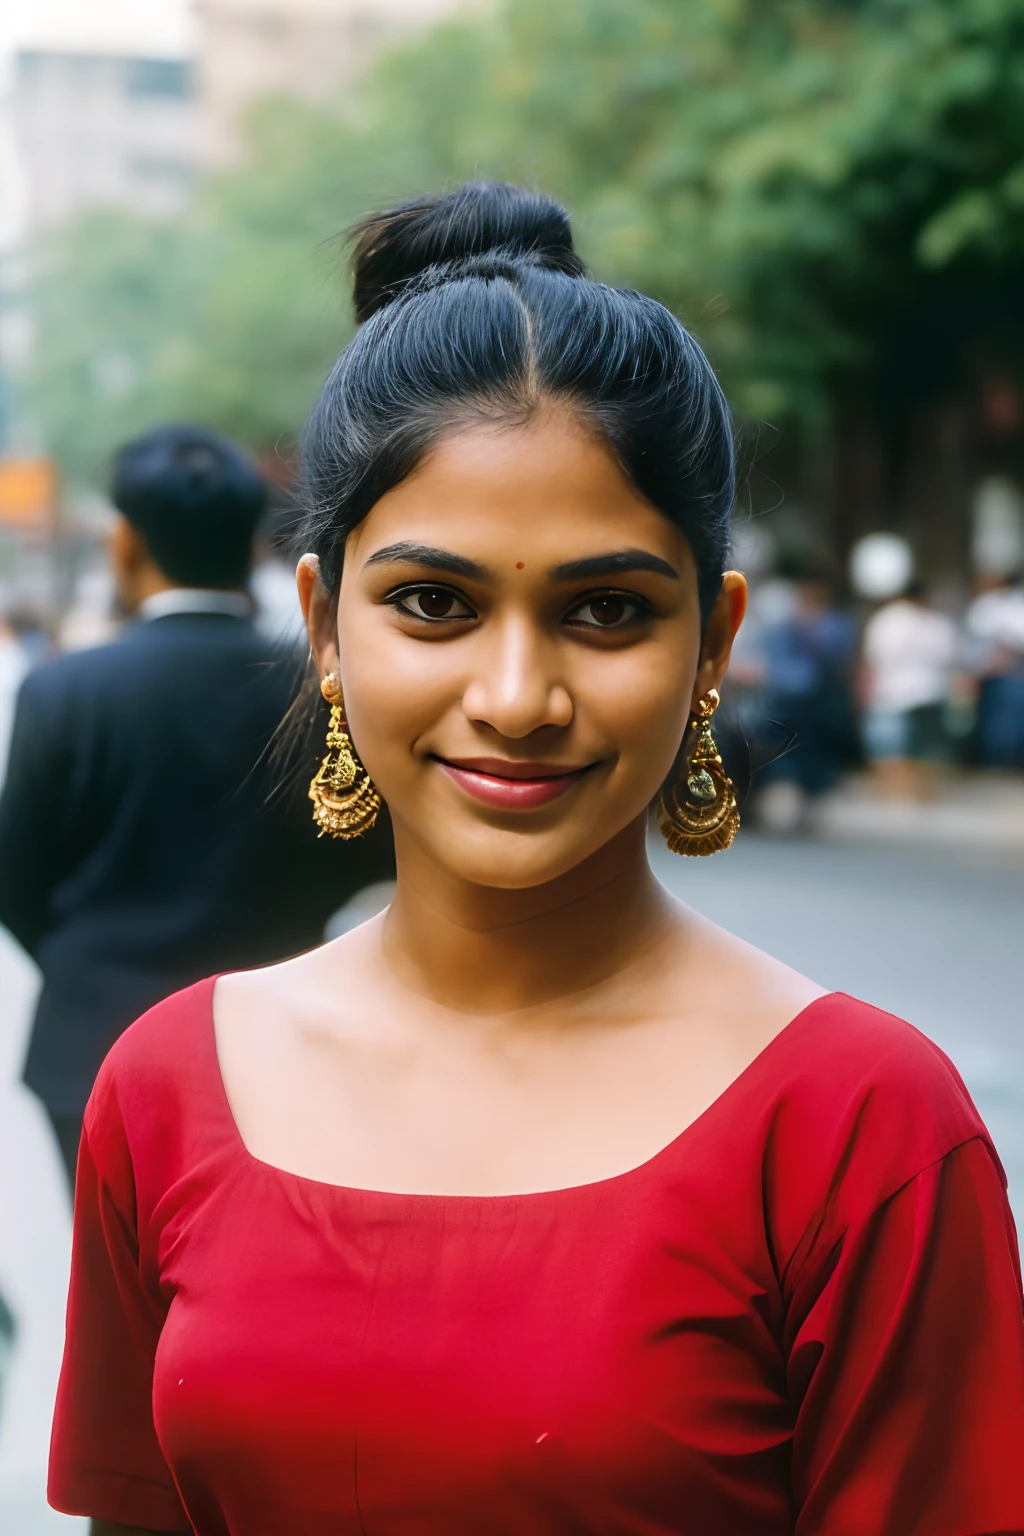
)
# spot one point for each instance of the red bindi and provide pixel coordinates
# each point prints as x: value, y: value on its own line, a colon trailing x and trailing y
x: 519, y: 565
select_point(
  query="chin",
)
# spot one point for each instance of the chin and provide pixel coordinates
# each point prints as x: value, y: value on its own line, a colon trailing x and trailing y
x: 514, y: 861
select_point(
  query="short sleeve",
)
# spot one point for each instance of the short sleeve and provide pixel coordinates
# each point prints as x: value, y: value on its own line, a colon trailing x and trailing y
x: 907, y: 1368
x: 105, y: 1460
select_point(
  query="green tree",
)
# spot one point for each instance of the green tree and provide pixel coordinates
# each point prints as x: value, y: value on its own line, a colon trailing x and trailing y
x: 229, y: 315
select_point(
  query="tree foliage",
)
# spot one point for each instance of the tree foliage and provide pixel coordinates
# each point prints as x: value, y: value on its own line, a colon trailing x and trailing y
x: 829, y: 192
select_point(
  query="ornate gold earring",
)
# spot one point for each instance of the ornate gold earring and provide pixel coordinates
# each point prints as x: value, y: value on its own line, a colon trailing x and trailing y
x: 345, y: 799
x: 701, y: 816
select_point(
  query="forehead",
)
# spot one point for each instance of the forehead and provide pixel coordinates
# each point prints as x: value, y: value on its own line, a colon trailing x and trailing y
x: 544, y: 492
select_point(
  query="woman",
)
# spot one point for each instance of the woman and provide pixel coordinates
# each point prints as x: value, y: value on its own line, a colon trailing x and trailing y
x: 538, y: 1204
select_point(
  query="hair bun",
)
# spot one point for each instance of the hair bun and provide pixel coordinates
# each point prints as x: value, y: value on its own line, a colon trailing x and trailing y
x: 394, y: 247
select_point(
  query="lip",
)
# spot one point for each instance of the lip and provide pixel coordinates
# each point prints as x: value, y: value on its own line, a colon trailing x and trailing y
x: 512, y: 786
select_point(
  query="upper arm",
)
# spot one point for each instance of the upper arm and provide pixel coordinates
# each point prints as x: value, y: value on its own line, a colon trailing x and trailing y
x: 907, y: 1371
x: 105, y: 1459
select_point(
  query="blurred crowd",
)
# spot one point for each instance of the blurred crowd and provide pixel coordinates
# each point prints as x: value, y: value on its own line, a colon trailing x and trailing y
x: 901, y: 687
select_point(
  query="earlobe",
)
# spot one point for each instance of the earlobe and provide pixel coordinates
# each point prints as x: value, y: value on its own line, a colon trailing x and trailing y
x: 126, y: 546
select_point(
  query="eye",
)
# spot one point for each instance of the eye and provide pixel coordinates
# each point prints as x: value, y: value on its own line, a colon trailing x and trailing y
x: 435, y: 605
x: 608, y: 610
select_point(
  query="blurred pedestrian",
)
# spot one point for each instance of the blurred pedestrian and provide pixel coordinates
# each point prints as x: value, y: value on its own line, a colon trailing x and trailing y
x: 909, y: 655
x: 808, y: 658
x: 995, y: 644
x: 138, y: 848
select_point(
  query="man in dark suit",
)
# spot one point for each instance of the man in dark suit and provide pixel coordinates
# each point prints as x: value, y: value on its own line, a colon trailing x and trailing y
x: 143, y: 843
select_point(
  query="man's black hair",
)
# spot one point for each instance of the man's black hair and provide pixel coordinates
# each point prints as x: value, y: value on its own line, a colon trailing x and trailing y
x: 196, y: 499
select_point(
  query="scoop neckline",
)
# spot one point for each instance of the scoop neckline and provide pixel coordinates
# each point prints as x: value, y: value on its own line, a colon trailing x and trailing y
x: 428, y: 1199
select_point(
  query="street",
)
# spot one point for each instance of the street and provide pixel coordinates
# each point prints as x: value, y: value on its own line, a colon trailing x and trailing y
x: 932, y: 935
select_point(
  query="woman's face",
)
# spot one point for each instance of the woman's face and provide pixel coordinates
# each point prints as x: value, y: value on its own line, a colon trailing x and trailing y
x: 519, y: 643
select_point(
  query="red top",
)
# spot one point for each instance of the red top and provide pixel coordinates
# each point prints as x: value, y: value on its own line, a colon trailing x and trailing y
x: 804, y: 1316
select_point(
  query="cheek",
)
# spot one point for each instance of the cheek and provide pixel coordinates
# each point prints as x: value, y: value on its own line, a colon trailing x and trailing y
x: 394, y: 690
x: 642, y: 700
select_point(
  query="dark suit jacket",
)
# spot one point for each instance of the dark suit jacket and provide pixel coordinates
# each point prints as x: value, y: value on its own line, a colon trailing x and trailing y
x: 138, y: 851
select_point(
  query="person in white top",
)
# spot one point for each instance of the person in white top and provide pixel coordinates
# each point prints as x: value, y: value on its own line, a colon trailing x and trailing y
x: 995, y: 652
x: 909, y: 656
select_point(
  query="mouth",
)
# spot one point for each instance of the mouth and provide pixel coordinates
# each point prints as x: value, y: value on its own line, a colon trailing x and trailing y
x: 512, y: 786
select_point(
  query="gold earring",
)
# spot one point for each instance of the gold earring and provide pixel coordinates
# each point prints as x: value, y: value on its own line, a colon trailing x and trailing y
x: 344, y: 804
x: 701, y: 815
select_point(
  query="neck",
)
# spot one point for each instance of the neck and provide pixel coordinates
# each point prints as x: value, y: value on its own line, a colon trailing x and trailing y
x: 151, y: 582
x: 487, y: 950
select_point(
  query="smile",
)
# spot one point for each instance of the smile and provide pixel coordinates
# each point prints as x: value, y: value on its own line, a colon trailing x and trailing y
x: 512, y: 786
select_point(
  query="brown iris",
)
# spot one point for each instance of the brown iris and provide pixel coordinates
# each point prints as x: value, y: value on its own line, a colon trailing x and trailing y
x: 435, y: 602
x: 607, y: 610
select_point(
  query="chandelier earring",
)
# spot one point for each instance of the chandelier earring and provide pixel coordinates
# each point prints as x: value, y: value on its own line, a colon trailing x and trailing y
x: 699, y: 807
x: 345, y: 799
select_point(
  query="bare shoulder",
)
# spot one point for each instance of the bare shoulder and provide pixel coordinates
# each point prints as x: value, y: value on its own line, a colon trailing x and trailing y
x: 741, y: 991
x: 846, y: 1038
x: 847, y: 1070
x: 269, y: 1002
x: 310, y: 971
x: 286, y: 1038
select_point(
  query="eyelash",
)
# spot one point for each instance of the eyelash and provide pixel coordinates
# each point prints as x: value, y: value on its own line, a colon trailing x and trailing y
x: 641, y: 608
x: 397, y: 601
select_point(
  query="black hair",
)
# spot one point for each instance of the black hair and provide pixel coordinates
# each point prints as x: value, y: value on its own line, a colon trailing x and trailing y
x: 474, y: 305
x: 196, y: 499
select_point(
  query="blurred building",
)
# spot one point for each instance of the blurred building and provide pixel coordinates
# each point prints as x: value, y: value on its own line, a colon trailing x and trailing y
x: 250, y: 49
x: 102, y: 129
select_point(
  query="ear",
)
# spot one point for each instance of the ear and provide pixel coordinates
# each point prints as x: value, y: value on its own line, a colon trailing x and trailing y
x: 319, y: 614
x: 719, y: 633
x: 130, y: 561
x: 126, y: 546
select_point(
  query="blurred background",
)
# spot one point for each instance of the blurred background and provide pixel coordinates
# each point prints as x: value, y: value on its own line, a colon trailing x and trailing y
x: 829, y: 193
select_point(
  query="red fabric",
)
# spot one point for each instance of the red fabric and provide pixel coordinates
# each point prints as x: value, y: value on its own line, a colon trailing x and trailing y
x: 803, y: 1316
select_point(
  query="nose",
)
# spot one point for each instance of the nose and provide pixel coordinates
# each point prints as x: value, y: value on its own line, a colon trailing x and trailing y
x: 516, y: 688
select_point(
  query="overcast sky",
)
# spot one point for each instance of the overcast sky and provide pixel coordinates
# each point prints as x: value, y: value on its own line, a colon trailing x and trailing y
x: 158, y: 26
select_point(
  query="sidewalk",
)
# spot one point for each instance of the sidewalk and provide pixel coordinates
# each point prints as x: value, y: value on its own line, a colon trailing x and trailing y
x: 973, y: 810
x: 35, y: 1244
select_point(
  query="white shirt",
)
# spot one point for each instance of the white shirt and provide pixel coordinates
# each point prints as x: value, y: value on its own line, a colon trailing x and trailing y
x: 238, y: 605
x: 911, y: 651
x: 995, y: 629
x: 278, y: 614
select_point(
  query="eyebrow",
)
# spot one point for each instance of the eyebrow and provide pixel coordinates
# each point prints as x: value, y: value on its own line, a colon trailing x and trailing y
x: 615, y: 563
x: 434, y: 559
